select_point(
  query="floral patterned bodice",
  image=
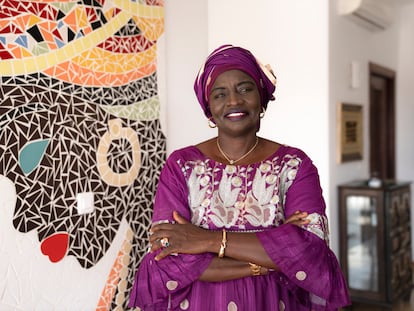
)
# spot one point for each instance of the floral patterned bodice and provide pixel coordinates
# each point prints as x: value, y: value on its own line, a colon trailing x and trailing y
x: 239, y: 197
x: 245, y: 197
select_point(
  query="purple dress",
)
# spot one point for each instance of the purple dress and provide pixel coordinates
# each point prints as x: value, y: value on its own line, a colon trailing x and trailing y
x: 245, y: 198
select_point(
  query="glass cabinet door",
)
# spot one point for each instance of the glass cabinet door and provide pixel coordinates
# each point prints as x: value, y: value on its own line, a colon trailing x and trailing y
x: 374, y: 240
x: 362, y: 237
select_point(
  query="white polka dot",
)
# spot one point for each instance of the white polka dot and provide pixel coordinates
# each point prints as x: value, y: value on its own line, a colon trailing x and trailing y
x: 171, y: 285
x: 301, y: 275
x: 232, y: 306
x: 282, y: 306
x: 184, y: 304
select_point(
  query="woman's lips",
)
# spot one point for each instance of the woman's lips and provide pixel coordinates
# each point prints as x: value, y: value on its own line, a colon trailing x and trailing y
x: 236, y: 115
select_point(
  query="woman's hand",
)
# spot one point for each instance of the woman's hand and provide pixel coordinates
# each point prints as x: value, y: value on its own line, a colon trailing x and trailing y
x: 298, y: 218
x: 182, y: 237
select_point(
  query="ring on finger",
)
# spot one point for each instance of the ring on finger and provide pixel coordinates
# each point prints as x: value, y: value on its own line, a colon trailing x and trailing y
x: 165, y: 242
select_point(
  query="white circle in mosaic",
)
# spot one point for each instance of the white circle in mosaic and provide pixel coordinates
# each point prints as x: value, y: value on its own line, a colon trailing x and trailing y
x: 125, y: 261
x: 122, y: 285
x: 120, y: 298
x: 124, y: 273
x: 282, y: 306
x: 301, y: 275
x: 171, y: 285
x: 127, y: 247
x: 184, y: 304
x: 232, y: 306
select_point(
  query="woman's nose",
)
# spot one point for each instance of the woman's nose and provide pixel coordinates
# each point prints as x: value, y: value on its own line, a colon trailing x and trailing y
x: 234, y: 98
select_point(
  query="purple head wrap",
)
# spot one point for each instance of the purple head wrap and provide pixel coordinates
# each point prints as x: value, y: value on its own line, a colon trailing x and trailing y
x: 229, y: 57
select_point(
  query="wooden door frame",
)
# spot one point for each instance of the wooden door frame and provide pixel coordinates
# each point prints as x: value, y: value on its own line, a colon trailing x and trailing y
x: 390, y: 77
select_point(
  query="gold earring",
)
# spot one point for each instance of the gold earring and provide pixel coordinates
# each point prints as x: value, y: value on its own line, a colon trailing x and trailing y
x: 211, y: 124
x: 262, y: 114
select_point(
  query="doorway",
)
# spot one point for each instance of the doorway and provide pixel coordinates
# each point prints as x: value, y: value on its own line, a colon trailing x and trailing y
x: 382, y: 122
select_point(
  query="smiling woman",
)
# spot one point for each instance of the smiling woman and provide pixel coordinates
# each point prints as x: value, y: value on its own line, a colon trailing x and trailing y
x: 239, y: 221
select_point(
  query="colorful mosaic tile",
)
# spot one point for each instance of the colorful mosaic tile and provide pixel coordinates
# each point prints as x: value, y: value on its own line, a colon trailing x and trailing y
x: 79, y: 112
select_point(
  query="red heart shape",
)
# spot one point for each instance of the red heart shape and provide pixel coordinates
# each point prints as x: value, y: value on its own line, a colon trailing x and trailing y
x: 55, y: 246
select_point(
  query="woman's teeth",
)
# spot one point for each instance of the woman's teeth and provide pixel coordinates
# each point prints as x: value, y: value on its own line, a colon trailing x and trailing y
x: 235, y: 114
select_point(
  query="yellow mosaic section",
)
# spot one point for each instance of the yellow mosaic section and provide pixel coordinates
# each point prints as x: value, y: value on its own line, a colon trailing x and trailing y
x: 98, y: 60
x: 146, y: 18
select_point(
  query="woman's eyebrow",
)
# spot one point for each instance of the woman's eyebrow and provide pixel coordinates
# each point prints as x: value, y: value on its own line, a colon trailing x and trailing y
x: 238, y: 84
x: 245, y: 82
x: 217, y: 88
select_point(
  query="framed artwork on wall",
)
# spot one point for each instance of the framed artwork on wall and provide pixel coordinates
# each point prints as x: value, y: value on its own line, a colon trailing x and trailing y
x: 350, y: 129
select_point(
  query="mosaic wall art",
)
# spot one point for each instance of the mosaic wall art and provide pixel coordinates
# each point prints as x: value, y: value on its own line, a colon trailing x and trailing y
x: 79, y: 113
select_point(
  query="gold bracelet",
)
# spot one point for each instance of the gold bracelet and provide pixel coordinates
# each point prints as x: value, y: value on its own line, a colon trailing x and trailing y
x: 255, y: 268
x: 223, y: 244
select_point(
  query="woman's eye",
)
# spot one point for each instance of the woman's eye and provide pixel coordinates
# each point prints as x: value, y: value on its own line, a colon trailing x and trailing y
x: 243, y: 90
x: 219, y: 95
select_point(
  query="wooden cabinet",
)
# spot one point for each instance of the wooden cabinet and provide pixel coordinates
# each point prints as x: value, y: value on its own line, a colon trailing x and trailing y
x: 375, y: 241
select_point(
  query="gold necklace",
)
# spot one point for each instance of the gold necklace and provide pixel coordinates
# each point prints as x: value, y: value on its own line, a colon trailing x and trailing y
x: 242, y: 157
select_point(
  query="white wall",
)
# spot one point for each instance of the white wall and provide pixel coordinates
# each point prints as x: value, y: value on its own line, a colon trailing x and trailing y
x: 292, y: 36
x: 186, y: 48
x: 393, y: 49
x: 405, y: 104
x: 310, y: 48
x: 350, y: 42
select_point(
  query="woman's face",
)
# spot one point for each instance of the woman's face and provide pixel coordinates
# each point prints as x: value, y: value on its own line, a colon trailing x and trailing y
x: 234, y: 102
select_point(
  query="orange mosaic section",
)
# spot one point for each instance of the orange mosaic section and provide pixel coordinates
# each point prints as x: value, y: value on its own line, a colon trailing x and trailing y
x: 97, y: 67
x: 73, y: 73
x: 117, y: 276
x: 77, y: 19
x: 100, y: 60
x: 109, y: 290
